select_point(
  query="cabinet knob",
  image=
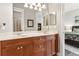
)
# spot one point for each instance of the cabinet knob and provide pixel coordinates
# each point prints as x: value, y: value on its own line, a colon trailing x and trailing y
x: 40, y: 38
x: 40, y: 46
x: 18, y: 48
x: 21, y: 47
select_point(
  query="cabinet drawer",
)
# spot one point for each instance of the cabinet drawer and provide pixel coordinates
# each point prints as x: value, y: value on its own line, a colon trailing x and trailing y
x: 16, y: 42
x: 9, y: 43
x: 39, y: 47
x: 50, y: 37
x: 38, y: 40
x: 24, y: 41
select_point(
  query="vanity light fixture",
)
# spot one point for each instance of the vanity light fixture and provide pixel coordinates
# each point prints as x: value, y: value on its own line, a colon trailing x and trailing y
x: 33, y: 3
x: 43, y: 6
x: 31, y: 6
x: 40, y: 9
x: 54, y: 13
x: 26, y: 5
x: 38, y: 5
x: 35, y: 6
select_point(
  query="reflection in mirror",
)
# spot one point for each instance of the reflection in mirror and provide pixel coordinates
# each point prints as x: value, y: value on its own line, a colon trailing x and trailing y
x: 52, y: 17
x: 16, y: 21
x: 45, y: 20
x: 41, y: 17
x: 52, y: 21
x: 18, y: 17
x: 31, y: 13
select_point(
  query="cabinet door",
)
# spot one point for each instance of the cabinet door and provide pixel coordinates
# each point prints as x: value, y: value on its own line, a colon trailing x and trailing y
x: 53, y: 46
x: 39, y: 46
x: 56, y: 43
x: 27, y: 50
x: 48, y: 43
x: 0, y: 49
x: 39, y: 50
x: 10, y: 51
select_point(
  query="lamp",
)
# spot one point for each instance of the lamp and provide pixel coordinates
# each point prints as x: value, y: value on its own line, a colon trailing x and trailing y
x: 31, y: 7
x: 26, y: 5
x: 40, y: 9
x: 35, y: 8
x: 53, y: 13
x: 43, y: 6
x: 33, y: 3
x: 39, y: 5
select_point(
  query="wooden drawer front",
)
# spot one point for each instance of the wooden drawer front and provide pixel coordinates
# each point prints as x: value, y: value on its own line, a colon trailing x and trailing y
x: 50, y: 37
x: 38, y: 40
x: 39, y: 50
x: 24, y: 41
x: 16, y: 42
x: 0, y: 48
x: 39, y: 47
x: 9, y: 43
x: 28, y: 50
x: 10, y: 51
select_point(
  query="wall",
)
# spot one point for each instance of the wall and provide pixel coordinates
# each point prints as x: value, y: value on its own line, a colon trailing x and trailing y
x: 6, y: 16
x: 29, y: 14
x: 70, y: 6
x: 53, y: 7
x: 69, y: 17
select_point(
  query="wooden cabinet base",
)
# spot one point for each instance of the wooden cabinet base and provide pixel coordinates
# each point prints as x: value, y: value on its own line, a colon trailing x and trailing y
x: 35, y: 46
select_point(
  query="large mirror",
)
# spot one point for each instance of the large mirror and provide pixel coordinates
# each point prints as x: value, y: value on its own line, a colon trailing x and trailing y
x: 30, y: 18
x: 26, y: 19
x: 16, y: 17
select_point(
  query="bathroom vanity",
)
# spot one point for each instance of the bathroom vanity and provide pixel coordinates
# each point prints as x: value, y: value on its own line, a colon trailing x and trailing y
x: 30, y: 45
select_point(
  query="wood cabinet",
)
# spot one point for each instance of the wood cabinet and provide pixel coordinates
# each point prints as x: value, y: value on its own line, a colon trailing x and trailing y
x: 48, y: 45
x: 10, y: 51
x: 19, y: 47
x: 39, y: 46
x: 33, y: 46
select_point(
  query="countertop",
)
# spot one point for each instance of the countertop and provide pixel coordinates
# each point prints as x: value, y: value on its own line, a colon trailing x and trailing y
x: 16, y: 35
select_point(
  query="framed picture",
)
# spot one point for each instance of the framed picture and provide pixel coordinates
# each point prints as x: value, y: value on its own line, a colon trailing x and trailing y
x: 30, y: 23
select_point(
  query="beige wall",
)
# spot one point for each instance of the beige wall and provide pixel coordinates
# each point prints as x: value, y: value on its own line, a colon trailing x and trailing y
x: 29, y: 14
x: 6, y: 16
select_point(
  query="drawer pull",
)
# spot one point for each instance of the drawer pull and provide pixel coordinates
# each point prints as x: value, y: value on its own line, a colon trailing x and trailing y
x: 21, y: 47
x: 40, y: 38
x: 18, y: 48
x: 40, y: 46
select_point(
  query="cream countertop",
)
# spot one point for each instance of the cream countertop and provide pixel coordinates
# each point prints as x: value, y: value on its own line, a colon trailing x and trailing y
x: 16, y: 35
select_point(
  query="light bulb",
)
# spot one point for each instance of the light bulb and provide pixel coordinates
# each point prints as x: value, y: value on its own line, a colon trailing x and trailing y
x: 31, y: 7
x: 53, y: 13
x: 26, y: 5
x: 43, y: 6
x: 35, y: 8
x: 34, y: 4
x: 38, y: 5
x: 40, y: 9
